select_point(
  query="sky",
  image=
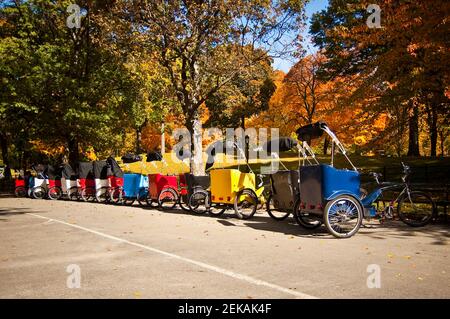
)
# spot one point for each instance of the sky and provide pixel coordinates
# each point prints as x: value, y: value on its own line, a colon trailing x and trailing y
x: 313, y: 6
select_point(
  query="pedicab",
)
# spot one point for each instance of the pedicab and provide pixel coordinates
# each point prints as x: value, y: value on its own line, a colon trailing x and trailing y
x: 22, y: 184
x: 285, y: 183
x: 54, y: 191
x: 69, y: 182
x: 102, y: 172
x: 86, y: 181
x: 232, y: 189
x: 171, y: 194
x: 328, y: 194
x: 38, y: 184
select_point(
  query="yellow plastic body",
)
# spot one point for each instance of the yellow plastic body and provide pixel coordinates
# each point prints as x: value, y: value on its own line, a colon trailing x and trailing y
x: 226, y: 183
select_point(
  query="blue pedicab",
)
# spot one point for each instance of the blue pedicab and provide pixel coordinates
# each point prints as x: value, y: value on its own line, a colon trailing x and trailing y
x: 128, y: 187
x: 328, y: 194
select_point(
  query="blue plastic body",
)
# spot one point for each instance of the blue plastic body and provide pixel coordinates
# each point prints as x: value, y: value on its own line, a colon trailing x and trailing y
x: 133, y: 184
x: 337, y: 182
x: 371, y: 198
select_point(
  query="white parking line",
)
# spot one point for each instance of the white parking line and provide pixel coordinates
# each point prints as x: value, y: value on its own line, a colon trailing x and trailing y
x: 219, y: 270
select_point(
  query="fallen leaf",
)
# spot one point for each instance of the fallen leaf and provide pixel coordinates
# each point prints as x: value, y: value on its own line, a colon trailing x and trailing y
x: 137, y: 294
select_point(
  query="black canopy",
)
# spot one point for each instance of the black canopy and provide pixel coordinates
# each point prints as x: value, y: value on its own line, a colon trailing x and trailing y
x: 154, y: 156
x: 116, y: 171
x: 131, y: 158
x: 68, y: 172
x: 101, y: 169
x: 284, y: 144
x: 85, y: 170
x: 310, y: 131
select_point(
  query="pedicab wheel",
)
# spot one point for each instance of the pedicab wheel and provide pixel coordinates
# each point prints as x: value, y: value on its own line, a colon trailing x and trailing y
x: 38, y: 192
x: 128, y: 201
x: 102, y: 195
x: 416, y: 209
x: 54, y: 193
x: 20, y: 191
x: 343, y: 216
x: 116, y: 195
x: 198, y: 201
x: 184, y: 202
x: 88, y: 194
x: 73, y: 193
x: 167, y: 198
x: 142, y: 197
x: 245, y: 204
x: 304, y: 219
x: 273, y: 212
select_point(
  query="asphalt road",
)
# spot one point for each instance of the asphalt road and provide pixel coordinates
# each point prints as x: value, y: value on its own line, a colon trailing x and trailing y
x: 131, y: 252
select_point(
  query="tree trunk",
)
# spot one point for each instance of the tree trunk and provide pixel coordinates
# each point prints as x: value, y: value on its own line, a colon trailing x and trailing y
x: 243, y: 122
x: 74, y: 155
x: 413, y: 142
x: 5, y: 156
x: 138, y: 140
x: 433, y: 134
x: 194, y: 126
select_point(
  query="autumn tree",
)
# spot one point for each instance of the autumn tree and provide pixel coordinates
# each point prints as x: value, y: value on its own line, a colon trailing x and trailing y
x: 404, y: 63
x: 193, y: 39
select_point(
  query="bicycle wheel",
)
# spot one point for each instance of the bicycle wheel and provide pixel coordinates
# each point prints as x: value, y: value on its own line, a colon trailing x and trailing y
x: 38, y: 192
x: 416, y: 209
x: 143, y: 198
x: 245, y: 204
x: 72, y: 193
x: 273, y: 212
x: 168, y: 198
x: 88, y: 194
x: 102, y: 195
x: 54, y: 193
x: 116, y: 195
x: 20, y: 191
x: 198, y: 202
x: 343, y: 216
x: 304, y: 219
x: 129, y: 201
x: 184, y: 202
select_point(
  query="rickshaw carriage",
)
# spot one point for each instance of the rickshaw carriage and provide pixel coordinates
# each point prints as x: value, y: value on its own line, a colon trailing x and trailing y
x: 227, y: 183
x: 38, y: 184
x: 69, y: 183
x: 284, y: 189
x: 162, y: 189
x: 328, y: 194
x: 54, y: 182
x: 102, y: 172
x: 86, y: 181
x: 116, y: 176
x: 133, y: 187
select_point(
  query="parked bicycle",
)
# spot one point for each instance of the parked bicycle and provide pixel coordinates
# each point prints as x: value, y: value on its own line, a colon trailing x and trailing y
x: 415, y: 208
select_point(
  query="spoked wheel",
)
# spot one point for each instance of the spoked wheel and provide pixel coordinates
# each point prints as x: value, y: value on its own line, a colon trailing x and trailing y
x: 72, y: 193
x: 129, y: 201
x: 305, y: 219
x: 54, y: 193
x: 168, y: 198
x: 88, y: 194
x: 20, y: 191
x: 272, y: 210
x: 184, y: 202
x: 343, y: 216
x: 38, y: 192
x: 102, y: 195
x: 116, y: 195
x: 416, y: 209
x: 142, y: 197
x: 198, y: 202
x: 245, y: 204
